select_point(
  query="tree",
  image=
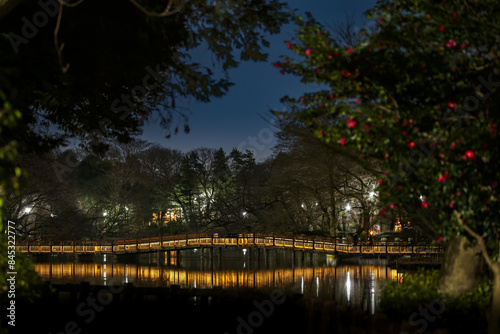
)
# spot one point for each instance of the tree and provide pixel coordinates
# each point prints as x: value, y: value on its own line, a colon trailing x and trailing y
x: 417, y: 93
x: 109, y: 66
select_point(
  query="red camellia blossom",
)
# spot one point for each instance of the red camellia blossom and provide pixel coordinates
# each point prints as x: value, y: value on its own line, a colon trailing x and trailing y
x: 382, y: 212
x: 424, y: 204
x: 289, y: 45
x: 411, y: 144
x: 452, y: 204
x: 451, y: 43
x: 440, y: 238
x: 349, y: 50
x: 342, y: 141
x: 441, y: 28
x: 379, y: 182
x: 469, y: 154
x: 443, y: 177
x: 277, y: 64
x: 452, y: 105
x: 351, y: 124
x: 308, y: 52
x: 392, y: 206
x: 453, y: 146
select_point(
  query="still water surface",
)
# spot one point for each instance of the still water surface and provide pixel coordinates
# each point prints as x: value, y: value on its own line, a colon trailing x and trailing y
x: 357, y: 283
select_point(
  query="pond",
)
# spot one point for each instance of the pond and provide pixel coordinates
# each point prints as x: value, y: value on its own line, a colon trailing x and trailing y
x: 355, y: 282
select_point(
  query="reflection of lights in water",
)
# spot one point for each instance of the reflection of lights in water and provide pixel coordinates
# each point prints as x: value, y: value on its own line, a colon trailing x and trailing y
x: 330, y: 279
x: 244, y: 251
x: 372, y: 292
x: 195, y: 250
x: 104, y: 257
x: 348, y: 286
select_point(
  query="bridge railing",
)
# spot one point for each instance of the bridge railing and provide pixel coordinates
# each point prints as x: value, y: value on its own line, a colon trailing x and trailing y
x: 266, y: 240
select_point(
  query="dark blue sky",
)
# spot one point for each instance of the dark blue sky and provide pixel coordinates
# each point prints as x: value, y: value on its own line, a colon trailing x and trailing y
x: 236, y: 120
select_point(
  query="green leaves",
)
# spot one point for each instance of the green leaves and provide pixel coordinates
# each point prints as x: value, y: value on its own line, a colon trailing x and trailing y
x: 425, y: 108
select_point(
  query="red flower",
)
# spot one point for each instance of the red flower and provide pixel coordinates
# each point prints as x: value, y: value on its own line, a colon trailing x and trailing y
x: 453, y: 146
x: 351, y: 124
x: 379, y: 182
x: 342, y: 141
x: 382, y: 212
x: 441, y: 28
x: 356, y: 100
x: 454, y: 15
x: 463, y: 46
x: 469, y: 154
x: 443, y: 177
x: 411, y: 144
x: 349, y: 50
x: 451, y: 43
x: 392, y: 206
x: 452, y: 105
x: 440, y: 238
x: 386, y: 156
x: 289, y: 45
x: 424, y: 204
x: 494, y: 184
x: 277, y: 64
x: 452, y: 204
x: 308, y: 52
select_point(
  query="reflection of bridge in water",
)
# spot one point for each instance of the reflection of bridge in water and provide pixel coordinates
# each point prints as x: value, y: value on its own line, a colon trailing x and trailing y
x: 187, y: 241
x: 356, y: 285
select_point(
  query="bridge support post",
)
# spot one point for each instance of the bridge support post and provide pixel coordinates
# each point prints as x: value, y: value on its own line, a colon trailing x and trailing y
x: 167, y: 254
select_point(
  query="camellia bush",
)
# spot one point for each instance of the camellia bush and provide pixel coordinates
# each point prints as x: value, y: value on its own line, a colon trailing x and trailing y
x: 418, y: 91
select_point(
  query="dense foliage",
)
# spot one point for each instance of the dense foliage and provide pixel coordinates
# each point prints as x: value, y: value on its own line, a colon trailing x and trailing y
x: 405, y: 300
x: 417, y: 92
x: 94, y: 69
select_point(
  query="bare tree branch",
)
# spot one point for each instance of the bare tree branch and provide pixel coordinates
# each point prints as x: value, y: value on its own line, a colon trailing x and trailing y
x: 166, y: 12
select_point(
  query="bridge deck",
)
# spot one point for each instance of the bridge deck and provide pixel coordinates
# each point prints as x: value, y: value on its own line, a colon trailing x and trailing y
x: 178, y: 242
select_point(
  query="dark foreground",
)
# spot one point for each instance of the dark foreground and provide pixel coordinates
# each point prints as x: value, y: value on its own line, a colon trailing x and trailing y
x: 78, y: 309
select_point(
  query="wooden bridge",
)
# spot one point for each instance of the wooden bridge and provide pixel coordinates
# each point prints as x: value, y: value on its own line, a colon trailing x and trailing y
x: 244, y: 240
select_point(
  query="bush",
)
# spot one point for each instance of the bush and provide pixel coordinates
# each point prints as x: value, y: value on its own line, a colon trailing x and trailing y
x: 421, y: 288
x: 417, y: 290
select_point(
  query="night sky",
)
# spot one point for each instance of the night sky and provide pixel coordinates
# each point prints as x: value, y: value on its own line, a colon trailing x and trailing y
x: 233, y: 120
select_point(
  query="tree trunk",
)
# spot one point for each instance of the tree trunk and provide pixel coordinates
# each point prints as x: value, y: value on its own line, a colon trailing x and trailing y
x: 461, y: 269
x: 494, y: 321
x: 333, y: 222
